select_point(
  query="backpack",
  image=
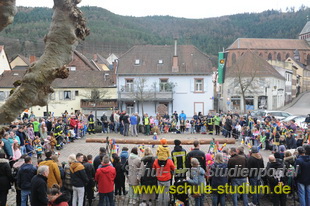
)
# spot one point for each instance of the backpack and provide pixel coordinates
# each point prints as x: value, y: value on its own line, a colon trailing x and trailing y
x: 124, y: 167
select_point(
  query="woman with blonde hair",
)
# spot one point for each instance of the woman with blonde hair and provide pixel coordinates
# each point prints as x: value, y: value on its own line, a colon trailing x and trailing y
x: 218, y: 180
x: 146, y: 176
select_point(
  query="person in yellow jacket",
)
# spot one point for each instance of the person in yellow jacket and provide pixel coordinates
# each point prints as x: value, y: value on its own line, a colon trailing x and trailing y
x: 54, y: 176
x: 163, y: 151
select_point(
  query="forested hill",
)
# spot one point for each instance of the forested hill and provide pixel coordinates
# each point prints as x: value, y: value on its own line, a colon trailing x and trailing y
x: 115, y: 33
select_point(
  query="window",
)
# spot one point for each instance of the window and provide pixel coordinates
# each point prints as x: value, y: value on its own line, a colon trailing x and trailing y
x: 76, y: 92
x: 288, y: 77
x: 95, y: 94
x: 2, y: 95
x: 269, y: 56
x: 129, y: 85
x: 67, y: 95
x: 279, y: 57
x: 137, y: 61
x: 130, y: 108
x: 163, y: 85
x: 72, y: 68
x: 198, y: 85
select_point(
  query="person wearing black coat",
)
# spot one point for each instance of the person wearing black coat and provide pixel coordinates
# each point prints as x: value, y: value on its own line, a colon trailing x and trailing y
x: 38, y: 195
x: 6, y: 179
x: 228, y: 126
x: 24, y: 176
x: 119, y: 180
x: 79, y: 180
x: 147, y: 175
x: 89, y: 188
x: 255, y: 163
x: 274, y: 178
x: 97, y: 160
x: 196, y: 153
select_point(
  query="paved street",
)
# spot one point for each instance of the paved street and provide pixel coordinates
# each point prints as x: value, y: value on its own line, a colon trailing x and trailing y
x: 93, y: 149
x: 302, y: 106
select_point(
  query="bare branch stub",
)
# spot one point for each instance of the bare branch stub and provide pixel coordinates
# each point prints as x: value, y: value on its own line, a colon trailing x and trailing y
x: 67, y: 27
x: 7, y: 12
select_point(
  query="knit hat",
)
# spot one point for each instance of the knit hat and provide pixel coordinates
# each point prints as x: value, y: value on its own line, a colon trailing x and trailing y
x: 163, y: 141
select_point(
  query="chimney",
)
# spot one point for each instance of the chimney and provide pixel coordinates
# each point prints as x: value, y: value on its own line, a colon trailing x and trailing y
x: 32, y: 59
x: 175, y: 66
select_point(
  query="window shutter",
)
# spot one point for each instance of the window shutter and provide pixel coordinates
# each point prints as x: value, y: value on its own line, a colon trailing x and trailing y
x: 205, y: 85
x: 52, y: 96
x: 61, y: 95
x: 192, y: 85
x: 72, y: 95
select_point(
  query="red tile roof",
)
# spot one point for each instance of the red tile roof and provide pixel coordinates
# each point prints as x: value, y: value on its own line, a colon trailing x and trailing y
x: 76, y: 79
x: 190, y: 60
x: 249, y: 65
x: 252, y: 43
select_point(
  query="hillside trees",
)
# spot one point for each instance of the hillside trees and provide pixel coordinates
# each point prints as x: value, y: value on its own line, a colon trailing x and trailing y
x: 67, y: 27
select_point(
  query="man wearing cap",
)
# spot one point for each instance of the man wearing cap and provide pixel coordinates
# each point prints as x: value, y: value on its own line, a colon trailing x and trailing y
x: 255, y: 163
x: 179, y: 157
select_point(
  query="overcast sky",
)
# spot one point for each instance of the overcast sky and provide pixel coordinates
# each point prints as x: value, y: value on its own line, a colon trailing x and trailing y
x: 181, y: 8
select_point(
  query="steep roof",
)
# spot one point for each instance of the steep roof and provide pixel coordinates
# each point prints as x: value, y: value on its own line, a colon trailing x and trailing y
x: 190, y: 60
x: 25, y: 59
x: 306, y: 29
x: 76, y: 79
x: 290, y: 59
x: 249, y: 65
x: 85, y: 60
x: 252, y: 43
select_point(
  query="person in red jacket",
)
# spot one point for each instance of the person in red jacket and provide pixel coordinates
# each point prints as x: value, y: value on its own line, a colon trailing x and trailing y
x: 74, y: 125
x: 104, y: 177
x: 56, y: 198
x: 163, y: 170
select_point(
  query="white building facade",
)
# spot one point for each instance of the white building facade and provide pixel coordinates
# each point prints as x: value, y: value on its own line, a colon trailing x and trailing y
x: 158, y: 79
x: 188, y: 93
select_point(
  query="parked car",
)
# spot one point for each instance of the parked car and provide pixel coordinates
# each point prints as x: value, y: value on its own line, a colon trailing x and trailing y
x: 299, y: 120
x: 261, y: 114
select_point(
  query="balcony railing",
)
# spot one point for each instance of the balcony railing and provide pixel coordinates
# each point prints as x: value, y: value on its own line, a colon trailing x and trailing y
x: 100, y: 103
x: 146, y: 96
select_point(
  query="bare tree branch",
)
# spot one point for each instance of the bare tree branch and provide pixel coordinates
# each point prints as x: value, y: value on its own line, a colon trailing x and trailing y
x: 7, y: 12
x: 67, y: 27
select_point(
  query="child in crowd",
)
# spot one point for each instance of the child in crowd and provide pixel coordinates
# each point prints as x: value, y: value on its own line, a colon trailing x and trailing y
x: 30, y: 132
x: 16, y: 150
x: 163, y: 151
x: 39, y: 151
x: 193, y: 126
x: 124, y: 155
x: 187, y: 126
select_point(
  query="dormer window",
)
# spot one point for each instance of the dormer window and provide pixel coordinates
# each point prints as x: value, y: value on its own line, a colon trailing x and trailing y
x: 137, y: 61
x: 160, y: 61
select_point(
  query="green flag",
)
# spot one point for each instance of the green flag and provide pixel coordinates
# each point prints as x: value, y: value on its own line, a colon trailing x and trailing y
x: 221, y: 67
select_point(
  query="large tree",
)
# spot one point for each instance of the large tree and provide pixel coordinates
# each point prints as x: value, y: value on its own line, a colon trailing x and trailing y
x: 68, y: 26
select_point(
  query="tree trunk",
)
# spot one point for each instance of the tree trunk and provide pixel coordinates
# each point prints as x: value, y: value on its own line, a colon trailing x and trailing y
x: 7, y: 12
x: 67, y: 27
x: 169, y: 141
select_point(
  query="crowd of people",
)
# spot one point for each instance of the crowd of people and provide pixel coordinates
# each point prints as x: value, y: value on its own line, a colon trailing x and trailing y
x: 47, y: 182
